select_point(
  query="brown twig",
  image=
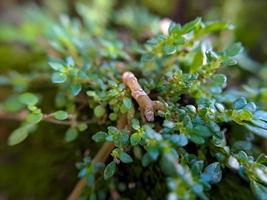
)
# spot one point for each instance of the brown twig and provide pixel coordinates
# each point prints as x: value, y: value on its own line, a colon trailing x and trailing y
x: 10, y: 116
x: 101, y: 156
x: 147, y: 106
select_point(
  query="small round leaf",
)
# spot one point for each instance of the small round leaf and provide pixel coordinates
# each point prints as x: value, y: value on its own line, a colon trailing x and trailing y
x: 60, y: 115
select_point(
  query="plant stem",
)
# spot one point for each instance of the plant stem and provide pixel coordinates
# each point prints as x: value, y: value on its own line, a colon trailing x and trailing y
x: 46, y: 117
x: 101, y: 157
x: 10, y: 116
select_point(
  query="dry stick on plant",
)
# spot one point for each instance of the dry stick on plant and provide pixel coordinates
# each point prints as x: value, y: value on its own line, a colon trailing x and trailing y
x: 101, y: 156
x: 11, y: 116
x: 147, y: 106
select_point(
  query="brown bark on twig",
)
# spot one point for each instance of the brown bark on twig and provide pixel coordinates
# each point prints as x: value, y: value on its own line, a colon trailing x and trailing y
x: 147, y: 106
x: 10, y: 116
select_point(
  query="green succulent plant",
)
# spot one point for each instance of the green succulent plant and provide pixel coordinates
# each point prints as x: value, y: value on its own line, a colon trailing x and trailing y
x: 200, y: 128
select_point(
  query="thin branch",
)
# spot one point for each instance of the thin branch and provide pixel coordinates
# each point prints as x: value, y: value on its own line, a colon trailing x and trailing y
x: 148, y: 107
x: 20, y: 116
x: 101, y: 157
x: 10, y: 116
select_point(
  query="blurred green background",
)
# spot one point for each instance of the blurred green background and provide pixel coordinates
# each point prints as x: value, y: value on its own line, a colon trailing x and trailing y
x: 43, y: 167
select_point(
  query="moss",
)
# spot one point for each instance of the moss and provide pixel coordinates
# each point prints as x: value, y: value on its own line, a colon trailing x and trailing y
x: 43, y: 167
x: 232, y: 187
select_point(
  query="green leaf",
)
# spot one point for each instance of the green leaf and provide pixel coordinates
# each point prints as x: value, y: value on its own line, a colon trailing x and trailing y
x: 125, y: 158
x: 261, y: 115
x: 71, y: 134
x: 168, y: 124
x: 122, y: 139
x: 109, y: 138
x: 146, y: 159
x: 188, y: 27
x: 100, y: 136
x: 229, y: 62
x: 219, y: 107
x: 219, y: 80
x: 239, y: 103
x: 113, y: 116
x: 198, y: 190
x: 217, y: 26
x: 197, y: 166
x: 34, y: 118
x: 169, y: 49
x: 174, y: 28
x: 262, y: 159
x: 75, y: 89
x: 135, y: 124
x: 113, y: 130
x: 70, y: 61
x: 258, y: 131
x: 245, y: 115
x: 12, y: 104
x: 259, y: 190
x: 212, y: 173
x: 168, y: 164
x: 197, y: 139
x: 58, y: 77
x: 56, y: 65
x: 19, y: 135
x: 135, y: 139
x: 92, y: 94
x: 127, y: 102
x: 214, y: 126
x: 82, y: 126
x: 259, y: 123
x: 28, y: 99
x: 233, y: 50
x: 201, y: 130
x: 147, y: 57
x: 242, y: 156
x: 60, y: 115
x: 251, y: 107
x: 110, y: 170
x: 182, y: 140
x: 99, y: 111
x: 197, y: 62
x: 155, y: 40
x: 233, y: 163
x: 211, y: 55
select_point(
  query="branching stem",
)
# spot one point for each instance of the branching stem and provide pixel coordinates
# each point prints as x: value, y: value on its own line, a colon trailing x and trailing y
x: 46, y: 117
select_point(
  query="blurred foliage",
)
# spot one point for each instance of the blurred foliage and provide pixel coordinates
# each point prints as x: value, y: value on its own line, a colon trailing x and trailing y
x: 207, y: 83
